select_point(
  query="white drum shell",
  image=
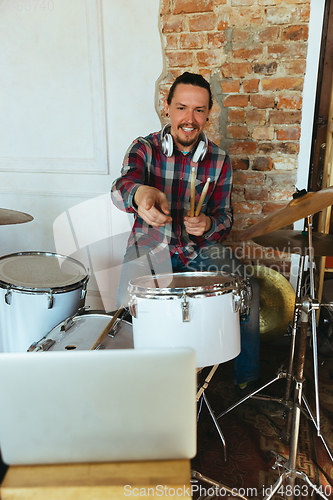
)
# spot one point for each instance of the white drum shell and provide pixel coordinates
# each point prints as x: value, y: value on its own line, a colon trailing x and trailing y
x: 213, y: 330
x: 27, y: 318
x: 84, y: 331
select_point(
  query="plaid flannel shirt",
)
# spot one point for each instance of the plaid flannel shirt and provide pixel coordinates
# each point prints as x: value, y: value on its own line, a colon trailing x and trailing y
x: 144, y: 163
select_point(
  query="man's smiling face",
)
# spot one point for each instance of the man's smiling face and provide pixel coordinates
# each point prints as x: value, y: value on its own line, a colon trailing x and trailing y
x: 188, y: 112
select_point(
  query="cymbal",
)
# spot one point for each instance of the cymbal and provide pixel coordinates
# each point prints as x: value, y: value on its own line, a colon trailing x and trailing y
x: 13, y: 217
x: 276, y: 302
x: 297, y: 242
x: 297, y: 209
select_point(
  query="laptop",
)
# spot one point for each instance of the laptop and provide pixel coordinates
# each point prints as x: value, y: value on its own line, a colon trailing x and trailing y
x: 97, y: 406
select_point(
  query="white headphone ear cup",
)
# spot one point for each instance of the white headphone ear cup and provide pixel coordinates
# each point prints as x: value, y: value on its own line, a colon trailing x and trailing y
x: 167, y: 145
x: 200, y: 152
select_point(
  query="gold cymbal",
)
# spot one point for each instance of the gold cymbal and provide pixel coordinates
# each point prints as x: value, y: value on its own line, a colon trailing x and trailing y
x: 277, y: 302
x: 13, y: 217
x: 296, y: 242
x: 297, y: 209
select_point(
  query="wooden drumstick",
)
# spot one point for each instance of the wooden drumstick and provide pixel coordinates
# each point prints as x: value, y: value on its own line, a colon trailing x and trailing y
x: 192, y: 192
x: 107, y: 328
x: 202, y: 197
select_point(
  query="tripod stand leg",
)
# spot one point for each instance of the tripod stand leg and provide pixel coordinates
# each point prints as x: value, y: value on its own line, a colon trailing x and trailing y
x: 216, y: 425
x: 298, y: 399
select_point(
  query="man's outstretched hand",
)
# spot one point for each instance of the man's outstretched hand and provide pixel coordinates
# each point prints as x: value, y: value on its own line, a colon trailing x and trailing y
x: 149, y: 200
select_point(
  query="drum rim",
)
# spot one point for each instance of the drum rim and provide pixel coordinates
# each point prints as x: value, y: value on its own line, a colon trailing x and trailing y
x: 35, y: 290
x: 193, y: 291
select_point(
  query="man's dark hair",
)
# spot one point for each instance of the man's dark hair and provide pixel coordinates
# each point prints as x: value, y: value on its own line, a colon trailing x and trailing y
x: 191, y: 79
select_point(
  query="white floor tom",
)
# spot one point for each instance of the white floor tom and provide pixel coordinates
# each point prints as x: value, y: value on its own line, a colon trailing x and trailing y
x: 37, y: 291
x: 86, y: 331
x: 199, y: 310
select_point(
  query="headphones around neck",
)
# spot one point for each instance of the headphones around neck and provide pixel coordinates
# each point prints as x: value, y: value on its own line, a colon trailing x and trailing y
x: 167, y: 145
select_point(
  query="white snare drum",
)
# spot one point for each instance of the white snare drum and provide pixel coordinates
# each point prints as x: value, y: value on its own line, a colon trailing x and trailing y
x: 198, y: 310
x: 82, y: 331
x: 37, y: 291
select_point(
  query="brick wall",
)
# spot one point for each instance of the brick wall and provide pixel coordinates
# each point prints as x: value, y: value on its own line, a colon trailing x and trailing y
x: 253, y: 52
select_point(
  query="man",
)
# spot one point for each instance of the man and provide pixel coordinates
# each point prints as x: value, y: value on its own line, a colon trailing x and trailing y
x: 155, y: 185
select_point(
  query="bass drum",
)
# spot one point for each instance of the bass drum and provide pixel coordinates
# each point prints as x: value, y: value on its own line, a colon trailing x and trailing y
x: 37, y: 291
x: 87, y: 331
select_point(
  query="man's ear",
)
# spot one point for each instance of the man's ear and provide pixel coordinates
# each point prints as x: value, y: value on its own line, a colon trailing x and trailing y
x: 166, y: 106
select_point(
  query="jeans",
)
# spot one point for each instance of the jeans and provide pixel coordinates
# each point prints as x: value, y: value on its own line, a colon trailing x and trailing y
x: 214, y: 257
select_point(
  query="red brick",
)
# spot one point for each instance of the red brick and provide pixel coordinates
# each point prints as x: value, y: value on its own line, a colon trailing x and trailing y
x: 236, y: 101
x: 240, y: 164
x: 270, y: 34
x: 236, y: 70
x: 203, y: 22
x: 247, y: 208
x: 256, y: 193
x: 179, y: 58
x: 192, y: 41
x: 208, y: 57
x: 295, y: 67
x: 251, y: 85
x: 246, y: 16
x: 240, y: 148
x: 282, y: 84
x: 263, y: 133
x: 295, y: 33
x: 255, y: 117
x: 172, y: 24
x: 288, y: 134
x: 222, y: 24
x: 259, y: 101
x: 190, y: 6
x: 229, y: 86
x: 240, y: 36
x: 165, y: 7
x: 236, y: 116
x: 287, y: 15
x: 289, y: 148
x: 216, y: 40
x: 237, y: 132
x: 290, y: 102
x: 262, y: 163
x: 269, y: 208
x: 237, y: 194
x: 286, y: 117
x: 247, y: 53
x: 287, y: 50
x: 171, y: 41
x: 265, y: 68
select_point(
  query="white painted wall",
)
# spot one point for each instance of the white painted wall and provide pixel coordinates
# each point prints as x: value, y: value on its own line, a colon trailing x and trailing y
x: 77, y: 85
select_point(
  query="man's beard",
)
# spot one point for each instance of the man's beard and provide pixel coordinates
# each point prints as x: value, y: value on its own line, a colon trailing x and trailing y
x: 187, y: 142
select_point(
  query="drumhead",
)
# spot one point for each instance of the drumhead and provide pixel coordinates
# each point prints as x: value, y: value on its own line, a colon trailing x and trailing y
x: 176, y: 284
x: 40, y: 271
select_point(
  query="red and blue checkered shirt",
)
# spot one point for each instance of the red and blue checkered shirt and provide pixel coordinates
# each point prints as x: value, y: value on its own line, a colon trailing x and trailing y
x: 144, y: 163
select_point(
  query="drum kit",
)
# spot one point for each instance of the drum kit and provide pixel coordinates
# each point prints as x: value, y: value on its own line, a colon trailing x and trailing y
x: 201, y: 310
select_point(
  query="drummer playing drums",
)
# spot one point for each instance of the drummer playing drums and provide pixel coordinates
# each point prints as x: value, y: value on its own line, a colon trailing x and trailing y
x: 163, y: 176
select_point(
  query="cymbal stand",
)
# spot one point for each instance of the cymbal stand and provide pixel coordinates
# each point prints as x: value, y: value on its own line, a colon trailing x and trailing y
x: 307, y: 305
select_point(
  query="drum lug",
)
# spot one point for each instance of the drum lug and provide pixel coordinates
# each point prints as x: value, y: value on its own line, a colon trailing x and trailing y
x: 50, y: 301
x: 185, y: 308
x: 133, y: 307
x: 84, y: 291
x: 236, y: 300
x: 8, y: 296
